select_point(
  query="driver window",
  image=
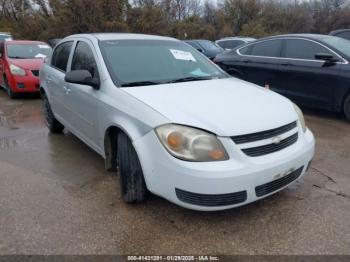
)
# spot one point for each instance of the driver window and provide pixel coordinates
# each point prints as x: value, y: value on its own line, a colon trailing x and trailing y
x: 83, y: 59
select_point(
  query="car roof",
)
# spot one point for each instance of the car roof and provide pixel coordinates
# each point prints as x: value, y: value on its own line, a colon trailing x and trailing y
x: 307, y: 36
x: 196, y: 40
x: 120, y: 36
x: 339, y: 31
x: 236, y: 38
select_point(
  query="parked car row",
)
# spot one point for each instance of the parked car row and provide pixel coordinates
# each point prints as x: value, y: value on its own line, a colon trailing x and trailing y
x: 178, y: 125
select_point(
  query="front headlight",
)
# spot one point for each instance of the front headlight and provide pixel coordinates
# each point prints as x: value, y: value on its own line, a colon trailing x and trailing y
x: 16, y: 70
x: 301, y: 117
x: 191, y: 144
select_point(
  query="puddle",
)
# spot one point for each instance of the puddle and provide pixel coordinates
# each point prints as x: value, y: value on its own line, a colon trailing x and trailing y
x: 8, y: 143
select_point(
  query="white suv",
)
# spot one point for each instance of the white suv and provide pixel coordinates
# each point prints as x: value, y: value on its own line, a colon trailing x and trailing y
x: 173, y: 122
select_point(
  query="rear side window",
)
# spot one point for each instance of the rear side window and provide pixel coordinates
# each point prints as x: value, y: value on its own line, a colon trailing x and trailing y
x: 303, y: 49
x: 345, y: 35
x: 230, y: 44
x: 270, y: 48
x: 245, y: 50
x: 60, y: 56
x: 83, y: 59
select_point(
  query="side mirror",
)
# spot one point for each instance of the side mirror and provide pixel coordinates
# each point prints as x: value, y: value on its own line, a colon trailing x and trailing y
x: 82, y: 77
x: 328, y: 58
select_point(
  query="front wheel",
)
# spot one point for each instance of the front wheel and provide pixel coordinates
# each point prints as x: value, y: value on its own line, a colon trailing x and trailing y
x: 9, y: 91
x: 347, y: 107
x: 133, y: 187
x: 52, y: 123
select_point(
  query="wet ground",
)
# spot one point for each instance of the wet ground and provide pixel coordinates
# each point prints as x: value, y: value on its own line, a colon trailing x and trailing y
x: 56, y: 198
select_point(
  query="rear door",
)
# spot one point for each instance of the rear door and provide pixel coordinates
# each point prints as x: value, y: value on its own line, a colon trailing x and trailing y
x: 258, y: 62
x: 55, y: 79
x: 306, y: 80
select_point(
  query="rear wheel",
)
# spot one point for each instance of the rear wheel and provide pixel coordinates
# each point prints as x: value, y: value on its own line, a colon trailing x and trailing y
x: 133, y: 187
x: 52, y: 123
x: 347, y: 107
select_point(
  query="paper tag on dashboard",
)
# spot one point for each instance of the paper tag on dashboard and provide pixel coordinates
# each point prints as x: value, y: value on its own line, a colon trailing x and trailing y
x: 182, y: 55
x: 44, y: 46
x: 40, y: 56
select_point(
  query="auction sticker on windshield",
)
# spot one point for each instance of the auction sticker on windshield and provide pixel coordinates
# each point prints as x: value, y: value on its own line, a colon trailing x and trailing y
x: 182, y: 55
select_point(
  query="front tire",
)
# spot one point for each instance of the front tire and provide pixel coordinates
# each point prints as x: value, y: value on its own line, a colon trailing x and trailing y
x: 132, y: 183
x: 9, y: 91
x: 52, y: 123
x: 347, y: 107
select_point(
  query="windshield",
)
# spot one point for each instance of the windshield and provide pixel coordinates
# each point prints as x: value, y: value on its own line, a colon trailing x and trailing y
x: 155, y: 62
x: 28, y: 51
x: 338, y: 43
x: 208, y: 45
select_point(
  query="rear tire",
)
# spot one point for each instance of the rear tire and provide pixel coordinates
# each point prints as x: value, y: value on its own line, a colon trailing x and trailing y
x: 52, y: 123
x: 132, y: 183
x: 347, y: 107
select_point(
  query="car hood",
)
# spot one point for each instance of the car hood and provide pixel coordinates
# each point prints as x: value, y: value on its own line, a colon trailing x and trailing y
x: 226, y: 107
x: 28, y: 64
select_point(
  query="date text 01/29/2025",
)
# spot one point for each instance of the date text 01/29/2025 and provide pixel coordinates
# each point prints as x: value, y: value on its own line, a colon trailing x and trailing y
x: 173, y: 258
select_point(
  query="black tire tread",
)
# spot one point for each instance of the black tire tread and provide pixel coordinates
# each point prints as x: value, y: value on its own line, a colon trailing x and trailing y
x: 347, y: 107
x: 52, y: 123
x: 132, y: 182
x: 9, y: 92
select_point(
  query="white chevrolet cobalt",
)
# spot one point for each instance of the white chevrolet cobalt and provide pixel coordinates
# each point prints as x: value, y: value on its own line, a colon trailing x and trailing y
x: 172, y: 122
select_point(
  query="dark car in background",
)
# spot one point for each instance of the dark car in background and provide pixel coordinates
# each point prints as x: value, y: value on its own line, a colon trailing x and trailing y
x: 312, y: 70
x: 343, y: 33
x: 229, y: 43
x: 208, y: 48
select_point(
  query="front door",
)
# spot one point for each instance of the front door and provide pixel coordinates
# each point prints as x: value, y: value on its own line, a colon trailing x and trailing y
x: 81, y: 99
x: 308, y: 81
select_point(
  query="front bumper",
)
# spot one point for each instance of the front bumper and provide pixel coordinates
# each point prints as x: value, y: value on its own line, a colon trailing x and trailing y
x: 166, y: 176
x: 24, y: 84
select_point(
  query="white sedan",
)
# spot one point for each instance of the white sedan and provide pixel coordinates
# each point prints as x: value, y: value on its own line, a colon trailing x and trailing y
x: 172, y: 122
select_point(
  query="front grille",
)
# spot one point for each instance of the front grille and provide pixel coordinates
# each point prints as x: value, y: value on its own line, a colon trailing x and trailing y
x: 211, y: 200
x: 35, y: 72
x: 270, y: 148
x: 278, y: 183
x: 264, y: 134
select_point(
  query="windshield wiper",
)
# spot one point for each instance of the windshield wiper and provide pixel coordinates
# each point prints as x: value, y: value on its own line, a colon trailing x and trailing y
x: 140, y: 83
x: 190, y: 78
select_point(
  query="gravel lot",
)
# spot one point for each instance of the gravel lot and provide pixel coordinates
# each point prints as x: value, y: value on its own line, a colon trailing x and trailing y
x: 56, y: 198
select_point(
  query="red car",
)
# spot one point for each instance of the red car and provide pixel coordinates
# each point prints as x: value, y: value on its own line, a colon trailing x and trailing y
x: 20, y: 62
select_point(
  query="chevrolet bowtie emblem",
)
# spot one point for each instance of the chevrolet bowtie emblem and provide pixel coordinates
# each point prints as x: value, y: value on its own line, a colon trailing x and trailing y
x: 276, y: 140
